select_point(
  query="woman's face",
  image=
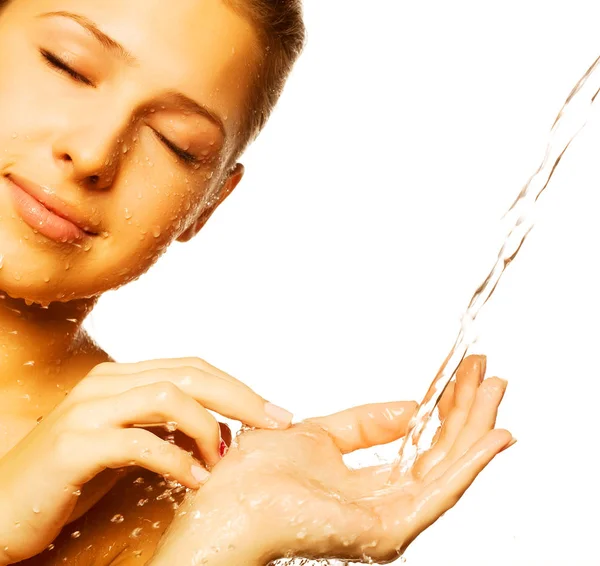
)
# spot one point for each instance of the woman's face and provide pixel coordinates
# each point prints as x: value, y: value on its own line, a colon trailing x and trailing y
x: 117, y: 120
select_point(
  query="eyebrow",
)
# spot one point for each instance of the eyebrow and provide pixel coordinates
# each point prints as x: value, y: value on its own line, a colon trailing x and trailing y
x: 115, y: 47
x: 185, y: 102
x: 107, y: 42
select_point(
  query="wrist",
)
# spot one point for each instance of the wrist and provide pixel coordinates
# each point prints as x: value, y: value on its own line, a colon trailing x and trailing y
x: 217, y: 534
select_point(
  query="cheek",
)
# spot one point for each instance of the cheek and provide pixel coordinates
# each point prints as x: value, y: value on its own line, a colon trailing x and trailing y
x: 149, y: 207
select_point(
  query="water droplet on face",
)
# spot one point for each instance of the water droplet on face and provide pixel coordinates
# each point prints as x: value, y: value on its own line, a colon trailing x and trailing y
x: 171, y: 426
x: 118, y: 519
x: 76, y: 534
x: 156, y: 231
x: 30, y: 363
x: 36, y: 510
x: 142, y: 502
x: 145, y: 453
x: 138, y: 481
x: 156, y: 525
x: 77, y: 493
x: 50, y: 547
x: 136, y: 532
x: 39, y: 419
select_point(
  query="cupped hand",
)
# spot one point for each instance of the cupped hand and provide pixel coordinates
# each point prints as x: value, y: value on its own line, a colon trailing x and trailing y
x: 113, y: 419
x: 289, y: 493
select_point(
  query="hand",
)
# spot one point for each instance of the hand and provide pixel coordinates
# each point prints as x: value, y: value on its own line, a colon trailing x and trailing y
x: 99, y: 426
x: 289, y: 493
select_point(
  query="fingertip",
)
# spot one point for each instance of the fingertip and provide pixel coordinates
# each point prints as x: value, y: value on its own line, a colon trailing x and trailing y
x: 200, y: 475
x: 277, y: 417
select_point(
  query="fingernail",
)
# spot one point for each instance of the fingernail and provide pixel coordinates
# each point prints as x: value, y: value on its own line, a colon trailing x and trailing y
x: 511, y: 443
x: 279, y: 415
x: 200, y: 474
x: 222, y: 448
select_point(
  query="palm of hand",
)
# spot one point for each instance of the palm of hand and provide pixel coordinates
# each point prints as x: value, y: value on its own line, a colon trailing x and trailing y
x: 297, y: 493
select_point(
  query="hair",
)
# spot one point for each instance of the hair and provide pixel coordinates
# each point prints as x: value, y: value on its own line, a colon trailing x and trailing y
x: 281, y: 32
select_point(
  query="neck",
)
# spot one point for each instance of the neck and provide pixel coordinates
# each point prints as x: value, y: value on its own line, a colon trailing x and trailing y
x: 32, y: 335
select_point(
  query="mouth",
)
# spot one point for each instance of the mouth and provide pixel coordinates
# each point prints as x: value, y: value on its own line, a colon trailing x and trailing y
x: 39, y: 208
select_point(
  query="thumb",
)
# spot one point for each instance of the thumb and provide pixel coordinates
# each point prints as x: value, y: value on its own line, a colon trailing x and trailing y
x: 367, y: 425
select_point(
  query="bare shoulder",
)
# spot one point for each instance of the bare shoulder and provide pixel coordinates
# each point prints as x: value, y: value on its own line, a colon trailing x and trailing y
x: 124, y: 527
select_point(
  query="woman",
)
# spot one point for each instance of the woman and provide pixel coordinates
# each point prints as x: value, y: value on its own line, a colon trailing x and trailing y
x: 121, y: 124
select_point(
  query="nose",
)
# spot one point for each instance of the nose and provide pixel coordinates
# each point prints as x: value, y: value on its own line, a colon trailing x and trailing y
x: 92, y: 151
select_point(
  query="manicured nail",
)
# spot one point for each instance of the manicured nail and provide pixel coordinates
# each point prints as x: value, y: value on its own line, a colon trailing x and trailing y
x: 511, y: 443
x: 200, y: 474
x: 279, y: 415
x: 222, y: 448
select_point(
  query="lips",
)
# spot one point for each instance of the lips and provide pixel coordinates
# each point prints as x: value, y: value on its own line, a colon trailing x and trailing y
x: 45, y: 213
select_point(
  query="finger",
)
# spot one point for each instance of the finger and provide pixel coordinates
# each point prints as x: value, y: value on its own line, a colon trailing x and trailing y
x: 111, y: 368
x: 481, y: 420
x: 447, y: 401
x: 442, y: 494
x: 85, y: 455
x: 367, y: 425
x: 468, y: 377
x: 155, y: 404
x: 228, y: 398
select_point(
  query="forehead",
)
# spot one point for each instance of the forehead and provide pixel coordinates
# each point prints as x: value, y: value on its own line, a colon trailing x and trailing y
x: 199, y: 47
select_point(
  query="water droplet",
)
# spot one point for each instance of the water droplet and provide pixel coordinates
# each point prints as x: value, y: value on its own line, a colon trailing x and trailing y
x: 128, y: 214
x: 171, y: 426
x: 156, y: 231
x: 30, y: 363
x: 50, y: 547
x: 142, y: 502
x: 36, y: 510
x: 39, y: 419
x: 145, y: 453
x: 156, y: 525
x: 76, y: 534
x: 77, y: 493
x: 138, y: 480
x: 136, y: 532
x: 118, y: 519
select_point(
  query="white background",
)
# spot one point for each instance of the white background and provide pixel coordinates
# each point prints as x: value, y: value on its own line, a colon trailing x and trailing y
x: 371, y: 211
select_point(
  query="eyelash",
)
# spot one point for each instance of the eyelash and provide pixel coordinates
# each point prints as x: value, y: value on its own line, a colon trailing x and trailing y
x: 177, y: 151
x: 59, y: 65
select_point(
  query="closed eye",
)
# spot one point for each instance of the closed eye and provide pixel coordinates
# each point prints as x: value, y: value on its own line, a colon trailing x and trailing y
x: 176, y: 150
x: 59, y: 65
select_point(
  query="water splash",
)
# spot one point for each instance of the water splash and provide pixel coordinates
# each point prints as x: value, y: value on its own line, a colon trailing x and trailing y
x: 571, y: 119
